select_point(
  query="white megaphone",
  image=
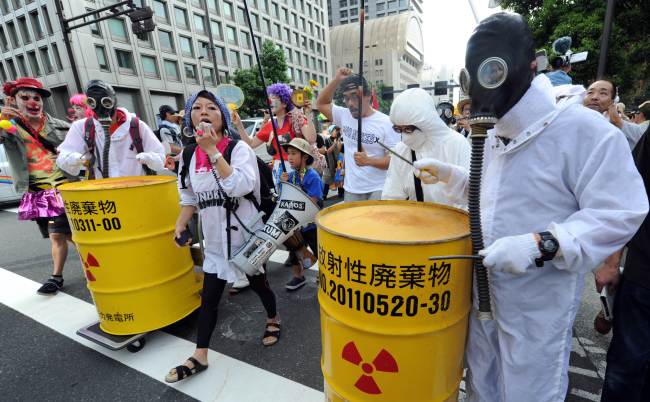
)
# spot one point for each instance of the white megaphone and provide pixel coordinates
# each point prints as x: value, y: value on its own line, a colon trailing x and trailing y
x: 294, y: 210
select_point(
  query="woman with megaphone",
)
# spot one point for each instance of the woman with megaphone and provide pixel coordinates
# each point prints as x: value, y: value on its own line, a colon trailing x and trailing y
x: 217, y: 181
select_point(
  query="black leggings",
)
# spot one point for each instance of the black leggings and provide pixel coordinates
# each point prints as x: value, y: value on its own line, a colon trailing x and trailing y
x: 212, y: 289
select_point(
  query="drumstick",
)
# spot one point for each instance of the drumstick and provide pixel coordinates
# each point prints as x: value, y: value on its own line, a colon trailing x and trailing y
x: 393, y: 152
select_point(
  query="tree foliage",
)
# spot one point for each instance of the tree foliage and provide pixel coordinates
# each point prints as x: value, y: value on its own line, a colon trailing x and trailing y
x: 274, y: 66
x: 628, y: 61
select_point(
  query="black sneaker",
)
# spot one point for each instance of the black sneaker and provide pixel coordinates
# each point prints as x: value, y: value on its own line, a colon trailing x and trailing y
x: 295, y: 283
x: 50, y: 287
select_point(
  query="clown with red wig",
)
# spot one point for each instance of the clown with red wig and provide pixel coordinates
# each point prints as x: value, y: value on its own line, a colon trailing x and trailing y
x: 79, y: 108
x: 30, y: 143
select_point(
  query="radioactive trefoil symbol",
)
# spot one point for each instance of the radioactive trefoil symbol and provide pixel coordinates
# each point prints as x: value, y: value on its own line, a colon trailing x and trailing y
x: 90, y: 261
x: 384, y: 362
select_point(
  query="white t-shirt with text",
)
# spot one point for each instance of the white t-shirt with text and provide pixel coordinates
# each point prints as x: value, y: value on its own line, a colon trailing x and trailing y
x: 364, y: 179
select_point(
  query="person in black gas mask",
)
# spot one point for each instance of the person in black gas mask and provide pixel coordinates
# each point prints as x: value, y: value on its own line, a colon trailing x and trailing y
x: 550, y: 212
x: 115, y: 144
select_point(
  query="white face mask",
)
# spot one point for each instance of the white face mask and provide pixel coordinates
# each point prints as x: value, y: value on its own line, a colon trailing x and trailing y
x: 415, y: 140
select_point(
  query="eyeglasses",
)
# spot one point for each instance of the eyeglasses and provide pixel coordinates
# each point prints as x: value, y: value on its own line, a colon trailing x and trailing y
x: 35, y: 98
x: 405, y: 129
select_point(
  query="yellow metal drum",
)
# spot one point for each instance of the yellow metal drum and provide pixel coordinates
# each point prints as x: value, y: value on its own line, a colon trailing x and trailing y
x: 393, y: 323
x: 123, y: 227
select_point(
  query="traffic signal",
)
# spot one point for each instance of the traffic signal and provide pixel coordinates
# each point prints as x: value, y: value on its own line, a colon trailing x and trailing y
x: 387, y: 94
x: 440, y: 88
x: 142, y: 20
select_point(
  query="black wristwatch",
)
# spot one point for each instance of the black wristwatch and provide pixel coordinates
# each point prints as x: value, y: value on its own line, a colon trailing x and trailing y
x: 548, y: 246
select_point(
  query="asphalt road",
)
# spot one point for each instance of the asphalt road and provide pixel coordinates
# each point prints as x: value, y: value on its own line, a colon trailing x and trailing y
x: 43, y: 360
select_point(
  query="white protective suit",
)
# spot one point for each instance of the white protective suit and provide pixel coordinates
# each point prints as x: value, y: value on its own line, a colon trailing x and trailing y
x: 568, y: 171
x: 123, y: 160
x: 433, y: 140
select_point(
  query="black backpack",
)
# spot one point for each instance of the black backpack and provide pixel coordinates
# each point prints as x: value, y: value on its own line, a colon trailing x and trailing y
x: 267, y: 188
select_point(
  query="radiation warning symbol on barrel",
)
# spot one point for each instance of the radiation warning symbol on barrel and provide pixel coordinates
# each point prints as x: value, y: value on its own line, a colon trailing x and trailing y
x: 384, y: 362
x: 89, y: 262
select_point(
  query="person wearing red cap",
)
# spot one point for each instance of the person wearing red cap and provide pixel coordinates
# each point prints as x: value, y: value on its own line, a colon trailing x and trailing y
x: 31, y: 144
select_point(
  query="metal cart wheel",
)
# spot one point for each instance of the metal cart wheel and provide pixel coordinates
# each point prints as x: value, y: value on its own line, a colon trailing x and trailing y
x: 136, y: 346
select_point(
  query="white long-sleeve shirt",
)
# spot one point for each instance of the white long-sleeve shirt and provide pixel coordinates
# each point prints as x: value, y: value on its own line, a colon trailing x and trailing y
x: 203, y: 193
x: 633, y: 131
x: 567, y: 170
x: 121, y: 155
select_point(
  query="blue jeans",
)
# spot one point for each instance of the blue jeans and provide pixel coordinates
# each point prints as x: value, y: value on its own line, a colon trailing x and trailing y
x: 628, y: 375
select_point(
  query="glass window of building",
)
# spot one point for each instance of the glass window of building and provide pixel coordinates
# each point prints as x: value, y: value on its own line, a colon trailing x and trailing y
x: 203, y: 50
x: 199, y: 23
x: 353, y: 2
x: 47, y: 60
x: 3, y: 75
x: 303, y: 24
x: 3, y: 39
x: 57, y: 57
x: 288, y: 54
x: 17, y: 4
x: 221, y: 55
x: 46, y: 18
x: 166, y: 41
x: 36, y: 24
x: 403, y: 3
x: 343, y: 3
x: 255, y: 21
x: 245, y: 40
x: 392, y: 4
x: 276, y: 31
x: 208, y: 75
x: 265, y: 5
x: 102, y: 60
x: 296, y: 39
x: 190, y: 72
x: 287, y: 35
x: 234, y: 59
x: 150, y: 67
x: 228, y: 11
x: 118, y: 30
x: 186, y: 46
x: 285, y: 15
x: 197, y: 3
x: 160, y: 11
x: 180, y: 15
x: 4, y: 7
x: 294, y: 20
x: 241, y: 15
x: 145, y: 40
x: 380, y: 6
x: 33, y: 61
x: 22, y: 66
x: 95, y: 30
x: 213, y: 6
x: 125, y: 61
x: 247, y: 61
x: 24, y: 31
x: 231, y: 35
x: 215, y: 27
x: 266, y: 27
x: 12, y: 69
x: 354, y: 11
x: 171, y: 70
x: 275, y: 10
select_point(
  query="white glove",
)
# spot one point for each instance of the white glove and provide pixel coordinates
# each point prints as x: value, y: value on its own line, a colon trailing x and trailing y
x: 151, y: 159
x: 511, y: 254
x: 431, y: 171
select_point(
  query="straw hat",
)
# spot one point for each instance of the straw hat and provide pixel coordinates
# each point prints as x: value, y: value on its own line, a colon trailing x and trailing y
x: 301, y: 145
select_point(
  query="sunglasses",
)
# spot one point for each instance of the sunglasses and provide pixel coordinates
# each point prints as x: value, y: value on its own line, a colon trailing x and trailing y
x: 35, y: 98
x: 405, y: 129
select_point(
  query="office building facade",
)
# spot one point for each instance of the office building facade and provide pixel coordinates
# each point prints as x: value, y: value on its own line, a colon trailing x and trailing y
x: 166, y: 65
x: 347, y: 11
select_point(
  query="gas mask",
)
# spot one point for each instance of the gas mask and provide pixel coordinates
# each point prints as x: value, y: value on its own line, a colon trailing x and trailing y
x: 446, y: 112
x: 101, y: 99
x: 498, y: 69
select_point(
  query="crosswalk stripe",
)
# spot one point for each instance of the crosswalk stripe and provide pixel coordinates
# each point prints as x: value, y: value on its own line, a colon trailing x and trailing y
x: 584, y: 394
x: 227, y: 380
x: 584, y: 372
x: 14, y: 210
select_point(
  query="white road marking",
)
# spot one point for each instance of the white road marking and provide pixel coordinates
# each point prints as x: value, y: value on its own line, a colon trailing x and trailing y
x: 586, y: 341
x: 279, y: 256
x: 602, y: 367
x: 577, y: 348
x: 595, y: 349
x: 14, y: 210
x: 584, y: 394
x: 227, y: 379
x: 584, y: 372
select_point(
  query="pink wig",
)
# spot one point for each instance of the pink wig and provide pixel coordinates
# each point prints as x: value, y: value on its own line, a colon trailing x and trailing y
x: 82, y: 100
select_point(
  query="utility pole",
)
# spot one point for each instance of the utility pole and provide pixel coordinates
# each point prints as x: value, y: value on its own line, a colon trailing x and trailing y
x: 604, y: 44
x: 211, y: 50
x: 141, y: 22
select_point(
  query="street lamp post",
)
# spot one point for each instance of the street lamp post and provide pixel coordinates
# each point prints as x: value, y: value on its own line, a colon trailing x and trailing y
x: 201, y: 76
